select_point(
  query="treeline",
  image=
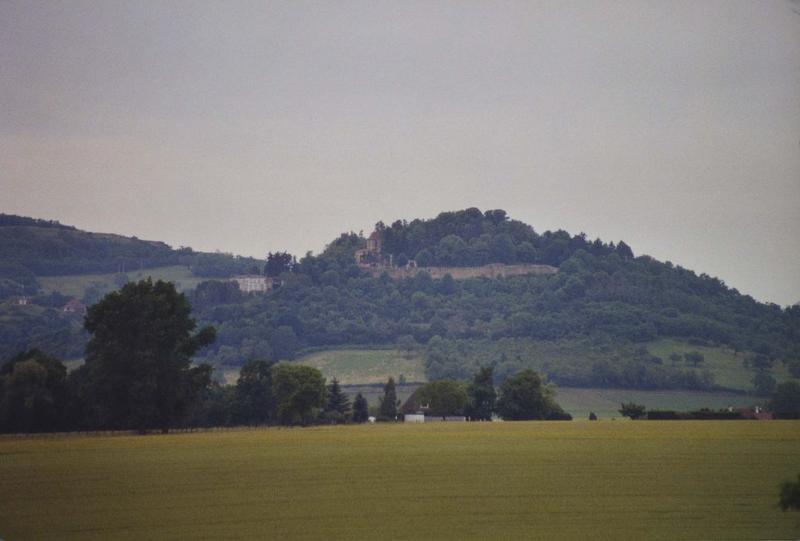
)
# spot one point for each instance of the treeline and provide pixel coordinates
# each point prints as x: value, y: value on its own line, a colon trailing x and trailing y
x: 13, y: 219
x: 602, y: 296
x: 600, y: 299
x: 30, y: 248
x: 585, y: 363
x: 38, y: 395
x: 524, y: 396
x: 473, y: 238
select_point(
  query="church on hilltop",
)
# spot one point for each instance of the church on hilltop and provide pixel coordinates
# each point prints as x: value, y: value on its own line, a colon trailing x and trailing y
x: 373, y: 260
x: 370, y: 256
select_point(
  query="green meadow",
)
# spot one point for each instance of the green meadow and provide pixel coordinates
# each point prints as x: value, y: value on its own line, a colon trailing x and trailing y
x: 606, y: 402
x: 76, y: 285
x: 366, y: 366
x: 532, y: 480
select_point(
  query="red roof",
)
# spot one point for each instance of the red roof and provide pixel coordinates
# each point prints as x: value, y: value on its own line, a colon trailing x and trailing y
x: 74, y: 305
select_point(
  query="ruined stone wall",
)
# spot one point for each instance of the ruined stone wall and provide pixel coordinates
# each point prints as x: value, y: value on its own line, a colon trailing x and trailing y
x: 493, y: 270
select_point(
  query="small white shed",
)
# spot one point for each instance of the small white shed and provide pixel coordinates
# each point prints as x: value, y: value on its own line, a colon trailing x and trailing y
x: 414, y: 418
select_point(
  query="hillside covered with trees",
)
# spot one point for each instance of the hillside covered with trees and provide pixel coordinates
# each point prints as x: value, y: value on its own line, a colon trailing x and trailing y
x: 31, y: 247
x: 603, y: 307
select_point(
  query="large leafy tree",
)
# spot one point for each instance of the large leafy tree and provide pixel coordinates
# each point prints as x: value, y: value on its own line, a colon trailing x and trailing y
x: 444, y: 397
x: 139, y: 357
x: 299, y: 393
x: 482, y: 396
x: 278, y: 263
x: 254, y: 396
x: 632, y: 410
x: 33, y: 391
x: 525, y: 396
x: 785, y: 401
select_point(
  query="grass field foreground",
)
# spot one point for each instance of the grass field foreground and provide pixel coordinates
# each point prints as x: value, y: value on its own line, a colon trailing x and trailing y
x: 546, y: 480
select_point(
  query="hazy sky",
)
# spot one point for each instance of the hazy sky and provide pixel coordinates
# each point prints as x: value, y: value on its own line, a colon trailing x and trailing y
x: 256, y: 126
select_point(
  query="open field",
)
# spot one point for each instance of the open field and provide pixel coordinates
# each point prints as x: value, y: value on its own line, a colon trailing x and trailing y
x: 726, y: 365
x: 354, y: 366
x: 556, y: 480
x: 76, y: 285
x: 364, y: 366
x: 606, y: 402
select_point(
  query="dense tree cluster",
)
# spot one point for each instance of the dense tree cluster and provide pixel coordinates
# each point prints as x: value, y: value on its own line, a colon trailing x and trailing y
x: 473, y: 238
x: 31, y: 248
x: 603, y: 299
x: 785, y: 400
x: 139, y: 375
x: 41, y: 327
x: 599, y: 300
x: 523, y: 396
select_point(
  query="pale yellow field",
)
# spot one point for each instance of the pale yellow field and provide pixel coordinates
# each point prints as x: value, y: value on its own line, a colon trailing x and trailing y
x: 556, y: 480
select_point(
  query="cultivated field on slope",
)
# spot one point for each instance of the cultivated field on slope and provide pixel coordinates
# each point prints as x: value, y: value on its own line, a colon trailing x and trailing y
x: 546, y: 480
x: 365, y: 366
x: 369, y: 366
x: 606, y: 402
x: 76, y: 285
x: 724, y: 363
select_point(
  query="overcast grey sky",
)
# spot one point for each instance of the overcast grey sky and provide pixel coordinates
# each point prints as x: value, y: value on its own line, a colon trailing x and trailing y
x: 256, y: 126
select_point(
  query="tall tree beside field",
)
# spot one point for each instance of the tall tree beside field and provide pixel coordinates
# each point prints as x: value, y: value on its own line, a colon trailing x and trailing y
x: 632, y: 410
x: 360, y: 409
x: 482, y: 396
x: 444, y: 397
x: 525, y: 396
x: 388, y: 407
x: 785, y: 400
x: 139, y: 356
x: 33, y: 393
x: 255, y: 402
x: 338, y: 406
x: 299, y: 393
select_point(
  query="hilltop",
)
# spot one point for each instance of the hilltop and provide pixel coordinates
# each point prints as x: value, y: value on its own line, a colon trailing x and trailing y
x: 600, y: 316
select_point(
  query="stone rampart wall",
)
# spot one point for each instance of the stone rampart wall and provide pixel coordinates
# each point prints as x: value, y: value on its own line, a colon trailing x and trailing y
x: 493, y: 270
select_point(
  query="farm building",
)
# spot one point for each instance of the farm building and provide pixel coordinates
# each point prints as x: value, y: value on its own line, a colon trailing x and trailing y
x: 74, y: 306
x: 253, y: 283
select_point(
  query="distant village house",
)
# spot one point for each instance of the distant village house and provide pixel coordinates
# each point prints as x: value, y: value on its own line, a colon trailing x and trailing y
x: 254, y: 283
x: 74, y: 306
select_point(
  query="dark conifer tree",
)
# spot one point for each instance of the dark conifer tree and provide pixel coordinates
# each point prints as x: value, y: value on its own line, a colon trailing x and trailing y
x: 360, y: 409
x: 337, y: 400
x: 388, y: 410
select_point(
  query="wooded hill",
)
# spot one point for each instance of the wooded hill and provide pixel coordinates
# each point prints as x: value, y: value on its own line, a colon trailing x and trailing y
x: 604, y: 304
x: 31, y: 248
